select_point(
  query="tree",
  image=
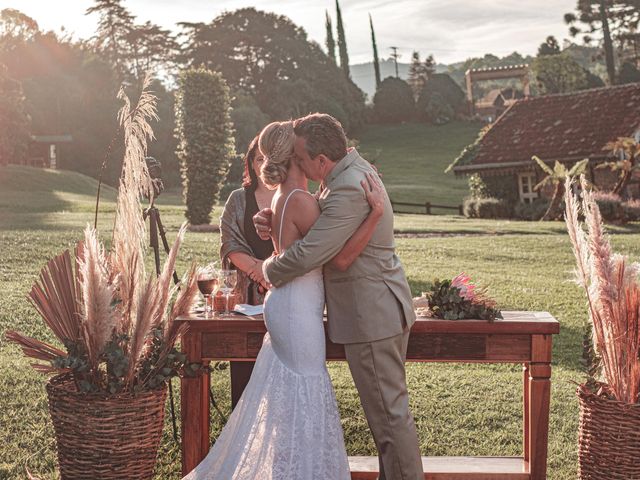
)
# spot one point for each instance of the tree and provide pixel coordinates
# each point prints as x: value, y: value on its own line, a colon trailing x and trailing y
x: 376, y: 61
x: 629, y: 73
x: 330, y: 42
x: 342, y: 43
x: 559, y: 74
x: 438, y: 93
x: 16, y: 27
x: 549, y: 47
x: 393, y: 101
x: 557, y: 177
x: 14, y: 121
x: 627, y: 150
x: 247, y: 119
x: 597, y: 16
x: 270, y: 58
x: 114, y: 26
x: 419, y: 73
x: 205, y: 136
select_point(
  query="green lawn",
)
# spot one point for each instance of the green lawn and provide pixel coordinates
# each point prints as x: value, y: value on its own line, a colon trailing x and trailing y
x: 412, y: 159
x: 459, y: 409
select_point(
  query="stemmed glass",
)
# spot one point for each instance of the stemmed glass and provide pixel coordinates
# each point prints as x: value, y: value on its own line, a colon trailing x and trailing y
x: 208, y: 284
x: 228, y: 280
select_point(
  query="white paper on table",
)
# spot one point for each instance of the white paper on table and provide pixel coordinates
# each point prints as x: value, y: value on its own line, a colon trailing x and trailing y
x: 249, y: 310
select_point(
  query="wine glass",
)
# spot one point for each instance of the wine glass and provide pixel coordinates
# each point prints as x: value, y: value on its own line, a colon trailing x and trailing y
x: 208, y: 283
x: 228, y: 280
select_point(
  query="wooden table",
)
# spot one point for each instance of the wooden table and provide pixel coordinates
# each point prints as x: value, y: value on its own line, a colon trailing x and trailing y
x: 521, y: 337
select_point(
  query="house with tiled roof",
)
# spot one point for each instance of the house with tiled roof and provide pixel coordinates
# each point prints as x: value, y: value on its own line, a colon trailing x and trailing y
x: 564, y: 127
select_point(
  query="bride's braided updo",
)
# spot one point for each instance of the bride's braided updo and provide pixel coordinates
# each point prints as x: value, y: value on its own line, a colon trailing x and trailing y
x: 276, y: 144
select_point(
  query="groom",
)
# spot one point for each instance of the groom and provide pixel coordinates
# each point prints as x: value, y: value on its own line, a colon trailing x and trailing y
x: 369, y: 305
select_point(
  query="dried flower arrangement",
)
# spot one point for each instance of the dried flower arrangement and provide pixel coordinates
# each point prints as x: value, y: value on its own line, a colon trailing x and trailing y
x: 611, y: 283
x: 456, y: 299
x: 115, y: 321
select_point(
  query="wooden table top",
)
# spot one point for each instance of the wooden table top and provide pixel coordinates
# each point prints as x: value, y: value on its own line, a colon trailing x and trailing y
x: 513, y: 322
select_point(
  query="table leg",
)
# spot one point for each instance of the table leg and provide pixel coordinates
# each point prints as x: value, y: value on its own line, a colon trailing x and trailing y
x: 539, y: 399
x: 194, y: 409
x: 240, y: 374
x: 525, y: 411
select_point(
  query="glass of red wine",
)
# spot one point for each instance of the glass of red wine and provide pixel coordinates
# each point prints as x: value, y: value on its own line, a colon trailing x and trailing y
x: 208, y: 284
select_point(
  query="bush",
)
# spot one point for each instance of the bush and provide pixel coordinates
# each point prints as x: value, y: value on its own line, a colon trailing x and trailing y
x: 486, y: 208
x: 205, y: 134
x: 610, y: 206
x: 438, y: 111
x: 631, y: 210
x: 393, y: 101
x: 531, y: 211
x: 440, y: 90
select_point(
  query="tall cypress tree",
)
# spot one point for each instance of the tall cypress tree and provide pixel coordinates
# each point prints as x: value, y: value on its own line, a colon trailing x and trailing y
x: 376, y: 61
x: 330, y: 42
x: 342, y: 43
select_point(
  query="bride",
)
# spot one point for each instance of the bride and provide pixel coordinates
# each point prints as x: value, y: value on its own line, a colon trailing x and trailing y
x: 286, y: 425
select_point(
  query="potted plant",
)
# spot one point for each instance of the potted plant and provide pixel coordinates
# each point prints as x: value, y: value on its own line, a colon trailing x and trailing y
x: 609, y: 431
x: 115, y: 324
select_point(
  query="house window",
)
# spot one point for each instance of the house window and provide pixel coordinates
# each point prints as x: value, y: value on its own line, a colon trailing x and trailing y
x: 526, y: 182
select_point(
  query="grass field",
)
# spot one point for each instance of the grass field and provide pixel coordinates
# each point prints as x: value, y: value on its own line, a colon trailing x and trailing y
x: 460, y: 409
x: 412, y: 159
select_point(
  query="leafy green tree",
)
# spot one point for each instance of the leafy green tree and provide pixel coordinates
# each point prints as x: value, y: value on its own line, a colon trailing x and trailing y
x: 559, y: 74
x: 376, y: 60
x: 393, y: 101
x: 629, y: 73
x: 14, y: 121
x: 253, y: 50
x: 205, y: 136
x: 342, y: 43
x: 627, y: 149
x: 247, y: 119
x: 549, y: 47
x: 16, y: 27
x: 556, y: 177
x: 329, y: 41
x: 441, y: 98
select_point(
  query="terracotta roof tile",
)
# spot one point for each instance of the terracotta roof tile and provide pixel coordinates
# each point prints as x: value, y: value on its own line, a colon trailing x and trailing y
x: 562, y: 126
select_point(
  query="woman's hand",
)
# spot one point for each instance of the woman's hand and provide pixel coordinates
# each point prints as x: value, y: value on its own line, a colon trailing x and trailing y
x: 375, y: 193
x: 255, y: 272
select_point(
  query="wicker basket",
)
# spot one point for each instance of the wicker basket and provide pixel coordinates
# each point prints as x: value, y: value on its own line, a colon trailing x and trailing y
x: 608, y: 438
x: 101, y: 437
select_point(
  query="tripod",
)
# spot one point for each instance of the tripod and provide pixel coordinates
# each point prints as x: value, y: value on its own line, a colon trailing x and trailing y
x: 157, y: 229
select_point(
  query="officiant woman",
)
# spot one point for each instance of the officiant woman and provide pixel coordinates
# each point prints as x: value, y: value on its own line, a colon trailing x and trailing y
x: 240, y: 246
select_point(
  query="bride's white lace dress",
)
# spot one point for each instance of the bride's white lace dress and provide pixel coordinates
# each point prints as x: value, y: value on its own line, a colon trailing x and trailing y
x: 286, y: 425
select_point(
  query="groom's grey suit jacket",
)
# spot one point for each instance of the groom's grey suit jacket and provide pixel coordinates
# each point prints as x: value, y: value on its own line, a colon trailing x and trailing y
x: 372, y: 299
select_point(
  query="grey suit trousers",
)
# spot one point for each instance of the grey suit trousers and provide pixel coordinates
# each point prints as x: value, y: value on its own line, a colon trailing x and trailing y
x: 378, y: 372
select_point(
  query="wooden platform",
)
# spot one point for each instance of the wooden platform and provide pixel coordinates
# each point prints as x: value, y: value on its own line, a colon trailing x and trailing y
x: 451, y: 468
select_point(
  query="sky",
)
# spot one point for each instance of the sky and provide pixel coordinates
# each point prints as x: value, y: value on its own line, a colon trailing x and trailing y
x: 451, y: 30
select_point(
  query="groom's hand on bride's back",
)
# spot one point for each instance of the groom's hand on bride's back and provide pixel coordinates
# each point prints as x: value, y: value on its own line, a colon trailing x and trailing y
x: 262, y: 221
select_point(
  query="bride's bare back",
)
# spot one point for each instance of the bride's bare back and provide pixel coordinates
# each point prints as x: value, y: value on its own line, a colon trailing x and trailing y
x: 292, y: 222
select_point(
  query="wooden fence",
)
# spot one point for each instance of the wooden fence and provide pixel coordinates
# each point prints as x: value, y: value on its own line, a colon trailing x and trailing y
x: 427, y: 206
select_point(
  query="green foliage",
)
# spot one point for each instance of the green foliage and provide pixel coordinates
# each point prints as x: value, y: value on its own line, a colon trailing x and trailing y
x: 628, y: 73
x: 531, y: 211
x: 253, y: 50
x: 205, y: 133
x: 445, y: 301
x: 376, y: 60
x: 14, y: 120
x: 549, y: 47
x: 393, y: 101
x: 329, y: 40
x: 247, y: 119
x: 487, y: 207
x: 477, y: 187
x: 342, y: 43
x: 438, y: 91
x: 559, y: 74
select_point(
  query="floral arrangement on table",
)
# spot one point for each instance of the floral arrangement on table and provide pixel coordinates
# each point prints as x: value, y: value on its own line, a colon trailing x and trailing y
x: 115, y: 321
x: 456, y: 299
x: 610, y: 280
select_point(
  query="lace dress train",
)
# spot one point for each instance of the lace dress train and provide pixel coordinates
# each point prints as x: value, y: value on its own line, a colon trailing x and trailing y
x: 286, y: 425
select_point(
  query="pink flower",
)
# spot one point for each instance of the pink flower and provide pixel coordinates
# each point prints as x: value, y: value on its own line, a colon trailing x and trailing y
x: 463, y: 283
